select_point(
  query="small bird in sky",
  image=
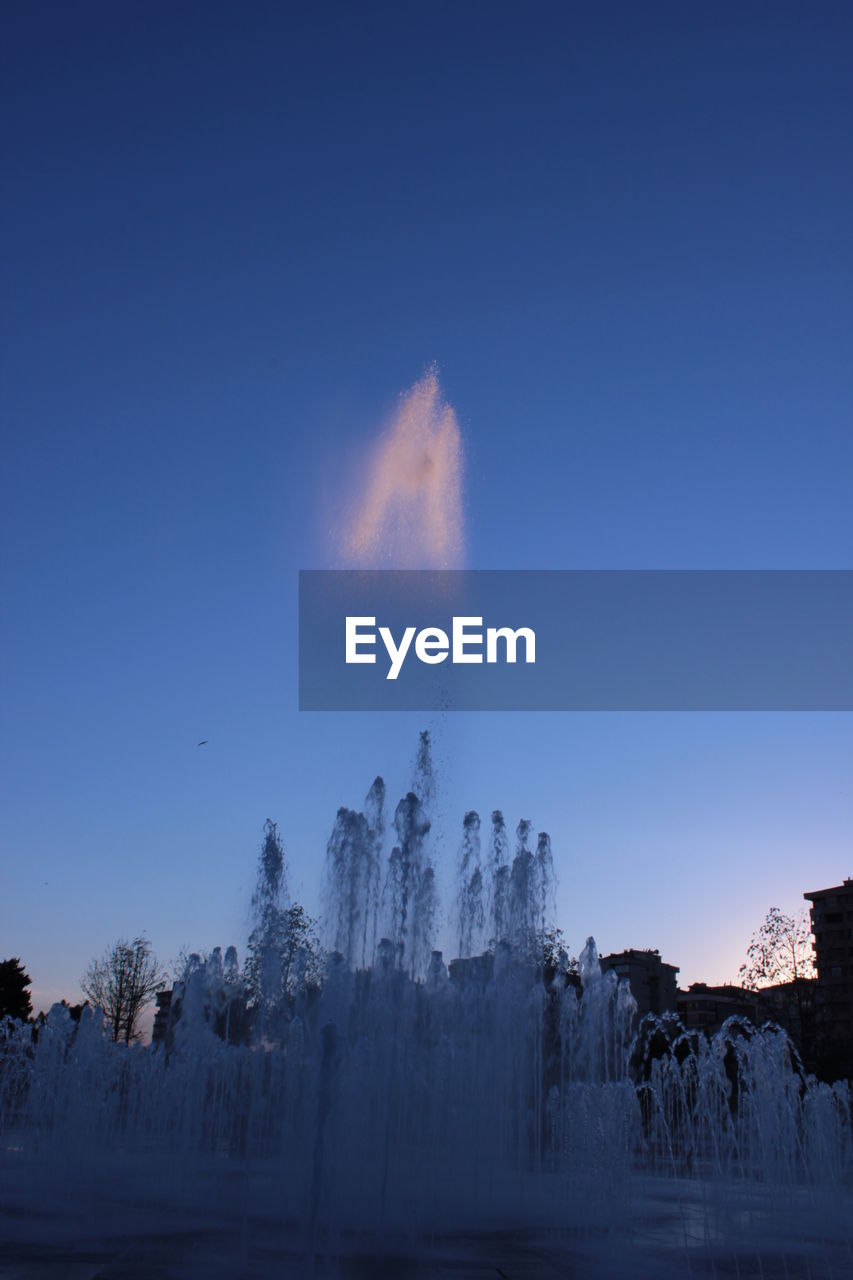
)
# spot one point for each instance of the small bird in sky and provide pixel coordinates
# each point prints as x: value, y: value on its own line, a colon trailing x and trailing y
x: 203, y: 742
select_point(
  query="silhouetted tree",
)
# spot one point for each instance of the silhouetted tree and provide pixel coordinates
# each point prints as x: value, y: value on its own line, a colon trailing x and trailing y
x: 781, y: 951
x: 781, y: 955
x: 122, y: 983
x: 302, y: 956
x: 14, y: 997
x: 555, y: 956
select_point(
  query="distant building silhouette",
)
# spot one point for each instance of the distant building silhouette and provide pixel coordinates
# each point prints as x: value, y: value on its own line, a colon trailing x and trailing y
x: 792, y: 1005
x: 653, y: 983
x: 162, y: 1017
x: 472, y: 970
x: 705, y: 1008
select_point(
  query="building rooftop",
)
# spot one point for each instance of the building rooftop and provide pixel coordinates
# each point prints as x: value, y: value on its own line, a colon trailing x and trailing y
x: 846, y: 886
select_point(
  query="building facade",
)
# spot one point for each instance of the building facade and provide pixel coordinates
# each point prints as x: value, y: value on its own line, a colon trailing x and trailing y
x: 832, y: 926
x: 705, y: 1008
x: 654, y: 984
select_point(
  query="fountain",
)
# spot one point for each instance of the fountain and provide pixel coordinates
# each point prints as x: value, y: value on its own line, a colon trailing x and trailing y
x: 503, y: 1108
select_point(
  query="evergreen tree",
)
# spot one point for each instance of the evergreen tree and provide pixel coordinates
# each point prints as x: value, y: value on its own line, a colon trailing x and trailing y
x: 14, y: 997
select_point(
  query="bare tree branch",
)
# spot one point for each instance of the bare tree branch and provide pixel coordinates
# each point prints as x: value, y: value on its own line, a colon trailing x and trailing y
x: 123, y: 982
x: 781, y: 951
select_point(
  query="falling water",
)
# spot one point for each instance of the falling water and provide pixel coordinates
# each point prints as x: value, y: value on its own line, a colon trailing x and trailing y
x: 469, y: 895
x: 353, y: 859
x: 405, y: 1099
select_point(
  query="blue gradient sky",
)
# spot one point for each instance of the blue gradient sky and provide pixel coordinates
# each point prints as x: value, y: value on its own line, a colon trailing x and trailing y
x: 231, y: 237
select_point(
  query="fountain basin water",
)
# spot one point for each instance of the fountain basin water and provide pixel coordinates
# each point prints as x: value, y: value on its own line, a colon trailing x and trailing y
x: 400, y: 1113
x: 510, y: 1107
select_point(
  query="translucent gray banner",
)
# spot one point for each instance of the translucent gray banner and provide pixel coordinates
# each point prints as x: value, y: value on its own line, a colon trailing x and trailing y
x: 575, y: 640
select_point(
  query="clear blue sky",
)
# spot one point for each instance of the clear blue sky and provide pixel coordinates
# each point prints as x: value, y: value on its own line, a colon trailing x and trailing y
x: 232, y: 235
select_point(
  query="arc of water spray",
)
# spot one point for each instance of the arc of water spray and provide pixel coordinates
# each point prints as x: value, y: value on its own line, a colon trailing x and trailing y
x: 410, y: 512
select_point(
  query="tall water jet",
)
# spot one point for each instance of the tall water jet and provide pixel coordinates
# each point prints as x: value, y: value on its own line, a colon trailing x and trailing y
x: 409, y: 884
x: 498, y: 878
x: 263, y: 966
x: 410, y: 894
x: 353, y: 857
x: 409, y: 515
x: 404, y: 1100
x: 469, y: 894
